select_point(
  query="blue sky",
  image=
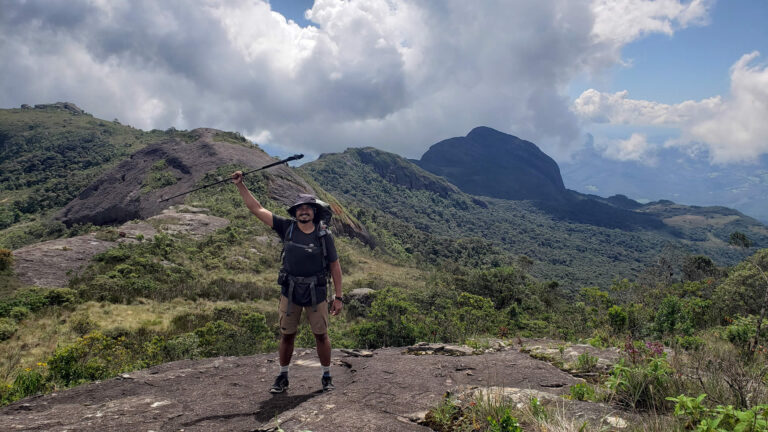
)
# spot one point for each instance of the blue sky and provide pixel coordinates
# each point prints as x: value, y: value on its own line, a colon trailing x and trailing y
x: 693, y: 63
x: 293, y: 10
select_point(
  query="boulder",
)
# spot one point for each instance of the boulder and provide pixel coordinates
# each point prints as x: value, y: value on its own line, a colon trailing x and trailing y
x: 363, y: 296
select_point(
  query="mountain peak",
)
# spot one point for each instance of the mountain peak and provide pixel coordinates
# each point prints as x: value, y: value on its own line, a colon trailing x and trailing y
x: 492, y: 163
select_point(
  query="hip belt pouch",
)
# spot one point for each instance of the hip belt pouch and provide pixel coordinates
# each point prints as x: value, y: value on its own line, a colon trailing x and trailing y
x: 303, y: 291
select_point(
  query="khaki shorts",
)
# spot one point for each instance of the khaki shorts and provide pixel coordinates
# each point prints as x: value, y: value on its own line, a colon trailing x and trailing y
x: 318, y: 320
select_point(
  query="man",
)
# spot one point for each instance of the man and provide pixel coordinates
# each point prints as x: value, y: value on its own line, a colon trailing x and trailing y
x: 308, y: 253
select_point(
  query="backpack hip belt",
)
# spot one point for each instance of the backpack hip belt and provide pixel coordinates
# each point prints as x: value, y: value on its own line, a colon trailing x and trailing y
x: 292, y: 281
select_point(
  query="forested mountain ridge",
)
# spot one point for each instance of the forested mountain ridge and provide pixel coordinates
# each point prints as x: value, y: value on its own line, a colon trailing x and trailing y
x: 52, y: 152
x: 564, y: 246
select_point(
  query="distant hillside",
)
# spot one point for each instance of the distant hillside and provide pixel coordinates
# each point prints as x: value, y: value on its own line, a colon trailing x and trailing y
x: 59, y: 161
x: 48, y: 154
x: 63, y: 169
x: 574, y: 253
x: 491, y: 163
x: 675, y: 175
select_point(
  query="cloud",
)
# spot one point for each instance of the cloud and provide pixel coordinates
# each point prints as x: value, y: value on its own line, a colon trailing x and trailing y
x: 622, y: 21
x: 395, y: 74
x: 616, y: 108
x: 731, y: 128
x: 635, y: 148
x: 737, y: 130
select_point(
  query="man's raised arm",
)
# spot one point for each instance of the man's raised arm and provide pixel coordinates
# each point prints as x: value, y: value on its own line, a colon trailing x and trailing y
x: 253, y: 205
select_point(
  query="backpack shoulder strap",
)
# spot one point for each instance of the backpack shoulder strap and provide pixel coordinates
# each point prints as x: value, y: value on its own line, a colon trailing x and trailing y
x: 288, y: 237
x: 322, y: 233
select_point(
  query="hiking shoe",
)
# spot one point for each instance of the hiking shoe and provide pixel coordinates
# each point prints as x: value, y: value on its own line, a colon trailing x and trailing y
x: 281, y: 383
x: 328, y: 383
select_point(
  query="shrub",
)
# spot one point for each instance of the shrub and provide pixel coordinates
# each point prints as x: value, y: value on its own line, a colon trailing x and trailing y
x: 255, y: 325
x: 642, y: 385
x: 503, y: 285
x: 159, y: 176
x: 91, y: 357
x: 727, y: 374
x: 719, y: 418
x: 356, y: 309
x: 668, y: 316
x: 29, y: 382
x: 228, y: 314
x: 61, y: 297
x: 473, y: 315
x: 582, y: 392
x: 8, y: 328
x: 443, y: 416
x: 186, y: 346
x: 6, y: 260
x: 393, y: 321
x: 586, y: 362
x: 617, y: 318
x: 506, y: 423
x: 82, y: 323
x: 741, y: 332
x: 599, y: 339
x: 30, y: 298
x: 18, y: 313
x: 189, y: 321
x: 689, y: 343
x: 218, y: 338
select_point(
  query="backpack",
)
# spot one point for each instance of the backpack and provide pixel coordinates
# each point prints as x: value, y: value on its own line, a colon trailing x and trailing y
x: 311, y: 289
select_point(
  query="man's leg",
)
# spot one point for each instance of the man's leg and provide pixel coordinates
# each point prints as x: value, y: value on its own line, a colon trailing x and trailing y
x: 318, y: 321
x: 324, y: 353
x: 285, y: 348
x: 323, y: 348
x: 288, y: 329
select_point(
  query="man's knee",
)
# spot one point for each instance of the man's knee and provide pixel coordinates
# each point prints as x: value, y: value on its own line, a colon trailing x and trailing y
x: 321, y: 338
x: 288, y: 338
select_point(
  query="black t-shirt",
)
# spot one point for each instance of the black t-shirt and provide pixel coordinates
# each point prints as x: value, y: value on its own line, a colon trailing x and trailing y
x: 306, y: 260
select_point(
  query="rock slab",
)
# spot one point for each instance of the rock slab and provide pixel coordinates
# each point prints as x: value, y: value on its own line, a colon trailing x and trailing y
x: 378, y: 393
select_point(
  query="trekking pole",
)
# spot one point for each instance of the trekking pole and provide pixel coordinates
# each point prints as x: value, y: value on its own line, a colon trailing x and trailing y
x: 286, y: 160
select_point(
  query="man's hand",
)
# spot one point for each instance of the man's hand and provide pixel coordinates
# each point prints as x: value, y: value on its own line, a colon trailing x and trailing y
x: 237, y: 177
x: 336, y: 307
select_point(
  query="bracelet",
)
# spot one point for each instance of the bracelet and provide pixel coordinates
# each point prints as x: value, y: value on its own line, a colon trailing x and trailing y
x: 341, y: 299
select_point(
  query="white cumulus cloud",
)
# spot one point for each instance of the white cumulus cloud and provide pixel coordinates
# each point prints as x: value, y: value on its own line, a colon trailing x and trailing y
x: 622, y: 21
x: 635, y: 148
x: 732, y: 128
x: 395, y: 74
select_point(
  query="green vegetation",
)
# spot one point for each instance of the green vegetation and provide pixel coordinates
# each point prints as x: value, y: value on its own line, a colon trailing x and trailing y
x: 159, y: 177
x: 720, y: 418
x: 415, y: 217
x: 447, y: 267
x: 48, y: 156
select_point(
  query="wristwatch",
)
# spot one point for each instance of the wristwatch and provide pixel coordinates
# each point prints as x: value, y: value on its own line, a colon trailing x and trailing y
x: 341, y: 299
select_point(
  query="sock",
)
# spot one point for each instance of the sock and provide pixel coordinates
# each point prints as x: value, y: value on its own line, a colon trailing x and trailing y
x: 326, y: 371
x: 283, y: 370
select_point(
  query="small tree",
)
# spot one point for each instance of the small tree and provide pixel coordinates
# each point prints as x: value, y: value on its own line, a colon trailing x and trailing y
x: 6, y: 260
x: 761, y: 257
x: 740, y: 239
x: 762, y: 309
